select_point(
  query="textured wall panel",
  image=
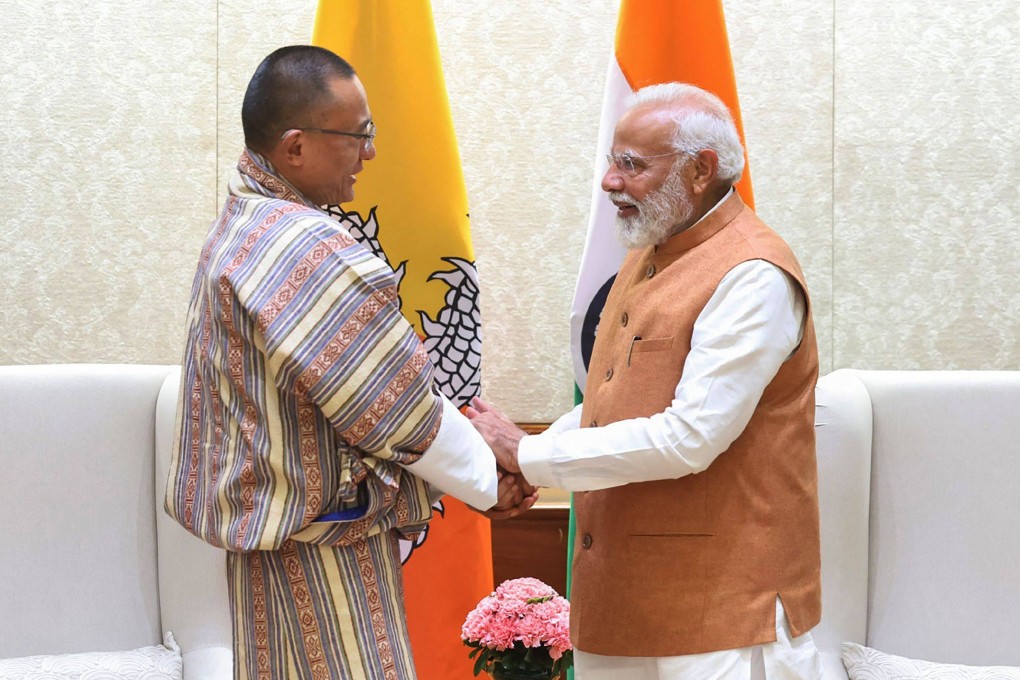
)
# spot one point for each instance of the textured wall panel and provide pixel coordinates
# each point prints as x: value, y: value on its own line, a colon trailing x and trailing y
x: 121, y: 123
x: 782, y: 57
x: 525, y: 82
x: 245, y: 38
x: 108, y: 151
x: 926, y: 254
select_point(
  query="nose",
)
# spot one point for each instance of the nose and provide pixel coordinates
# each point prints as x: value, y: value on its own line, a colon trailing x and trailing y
x: 367, y: 154
x: 612, y: 180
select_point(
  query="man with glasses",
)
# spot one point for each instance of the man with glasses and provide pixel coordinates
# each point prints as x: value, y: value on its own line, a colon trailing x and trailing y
x: 309, y: 433
x: 692, y: 457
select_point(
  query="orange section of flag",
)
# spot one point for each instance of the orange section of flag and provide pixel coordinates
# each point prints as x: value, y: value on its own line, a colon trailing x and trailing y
x: 659, y: 41
x: 454, y: 567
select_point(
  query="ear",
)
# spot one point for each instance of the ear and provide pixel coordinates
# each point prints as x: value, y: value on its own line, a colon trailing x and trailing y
x: 289, y: 152
x: 705, y: 168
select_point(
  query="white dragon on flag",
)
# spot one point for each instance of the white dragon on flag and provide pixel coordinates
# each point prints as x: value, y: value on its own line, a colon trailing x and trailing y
x: 453, y: 339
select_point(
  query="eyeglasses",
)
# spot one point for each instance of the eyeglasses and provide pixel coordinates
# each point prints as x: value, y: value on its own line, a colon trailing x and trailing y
x: 630, y: 165
x: 367, y: 138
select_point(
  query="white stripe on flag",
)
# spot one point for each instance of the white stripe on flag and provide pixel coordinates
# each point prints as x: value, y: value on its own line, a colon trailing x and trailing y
x: 602, y: 251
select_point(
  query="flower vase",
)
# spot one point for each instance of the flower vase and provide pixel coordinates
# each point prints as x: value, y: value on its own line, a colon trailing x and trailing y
x: 520, y: 675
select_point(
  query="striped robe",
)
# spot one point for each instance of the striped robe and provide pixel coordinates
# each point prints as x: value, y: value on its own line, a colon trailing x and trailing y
x: 303, y: 390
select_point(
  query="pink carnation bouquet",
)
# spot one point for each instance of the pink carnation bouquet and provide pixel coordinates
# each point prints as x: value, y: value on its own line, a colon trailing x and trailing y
x: 520, y: 630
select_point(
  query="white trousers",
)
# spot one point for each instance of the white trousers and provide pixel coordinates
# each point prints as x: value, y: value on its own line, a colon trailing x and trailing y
x: 785, y: 659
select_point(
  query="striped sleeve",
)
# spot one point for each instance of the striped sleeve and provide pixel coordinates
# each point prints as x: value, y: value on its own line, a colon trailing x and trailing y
x: 326, y: 309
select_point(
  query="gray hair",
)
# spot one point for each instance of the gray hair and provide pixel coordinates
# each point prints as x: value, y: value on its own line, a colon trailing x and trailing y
x: 702, y: 122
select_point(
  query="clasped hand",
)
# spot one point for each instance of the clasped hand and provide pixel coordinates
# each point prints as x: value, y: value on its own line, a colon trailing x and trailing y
x: 515, y: 493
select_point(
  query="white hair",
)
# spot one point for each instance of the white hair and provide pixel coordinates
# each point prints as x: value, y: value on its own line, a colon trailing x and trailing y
x: 702, y: 122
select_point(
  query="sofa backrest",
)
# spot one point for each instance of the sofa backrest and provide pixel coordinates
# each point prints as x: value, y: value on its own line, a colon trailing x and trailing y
x: 919, y: 488
x: 944, y: 562
x: 77, y: 536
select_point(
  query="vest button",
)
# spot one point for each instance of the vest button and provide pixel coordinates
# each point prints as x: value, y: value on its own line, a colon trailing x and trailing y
x: 609, y: 374
x: 651, y: 270
x: 586, y: 541
x: 624, y: 319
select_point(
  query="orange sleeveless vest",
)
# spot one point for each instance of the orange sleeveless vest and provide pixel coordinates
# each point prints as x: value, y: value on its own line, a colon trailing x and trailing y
x: 693, y: 565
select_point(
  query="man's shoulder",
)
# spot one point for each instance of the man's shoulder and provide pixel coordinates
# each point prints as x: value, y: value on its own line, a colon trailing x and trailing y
x: 271, y: 207
x: 759, y: 241
x: 288, y: 233
x: 270, y: 214
x: 753, y: 230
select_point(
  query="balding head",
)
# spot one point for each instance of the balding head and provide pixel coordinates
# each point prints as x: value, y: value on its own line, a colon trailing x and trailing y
x: 700, y: 121
x: 291, y: 87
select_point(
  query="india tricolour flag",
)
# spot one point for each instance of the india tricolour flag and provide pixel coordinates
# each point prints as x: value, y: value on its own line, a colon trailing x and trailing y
x: 657, y: 41
x: 411, y: 209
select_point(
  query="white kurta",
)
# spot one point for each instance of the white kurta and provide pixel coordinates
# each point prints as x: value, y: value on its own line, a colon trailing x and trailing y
x: 752, y: 323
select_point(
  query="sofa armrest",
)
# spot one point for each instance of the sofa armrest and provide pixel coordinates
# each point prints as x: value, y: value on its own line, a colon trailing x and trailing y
x: 843, y: 432
x: 208, y: 663
x: 192, y: 574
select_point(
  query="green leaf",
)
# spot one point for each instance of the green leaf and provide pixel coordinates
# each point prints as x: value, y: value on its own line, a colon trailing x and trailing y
x: 480, y: 663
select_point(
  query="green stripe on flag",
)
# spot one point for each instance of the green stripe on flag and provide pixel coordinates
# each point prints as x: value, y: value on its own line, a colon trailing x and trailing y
x: 571, y: 528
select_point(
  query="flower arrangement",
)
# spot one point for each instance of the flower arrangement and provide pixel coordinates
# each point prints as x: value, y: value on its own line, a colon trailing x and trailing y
x: 520, y: 630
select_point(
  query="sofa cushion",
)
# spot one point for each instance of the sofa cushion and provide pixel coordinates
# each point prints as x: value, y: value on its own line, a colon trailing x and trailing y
x: 160, y: 662
x: 864, y: 663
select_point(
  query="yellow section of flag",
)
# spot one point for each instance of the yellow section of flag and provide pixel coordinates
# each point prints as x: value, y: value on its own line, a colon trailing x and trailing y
x: 416, y: 178
x: 411, y: 207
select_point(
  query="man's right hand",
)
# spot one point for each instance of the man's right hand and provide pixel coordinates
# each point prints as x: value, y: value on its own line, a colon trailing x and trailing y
x: 515, y: 493
x: 499, y: 432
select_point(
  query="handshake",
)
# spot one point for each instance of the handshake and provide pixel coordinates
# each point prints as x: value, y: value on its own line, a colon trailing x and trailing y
x: 515, y: 493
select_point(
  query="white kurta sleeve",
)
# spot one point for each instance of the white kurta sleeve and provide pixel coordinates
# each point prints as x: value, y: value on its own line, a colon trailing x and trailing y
x: 571, y: 420
x: 459, y: 462
x: 750, y: 326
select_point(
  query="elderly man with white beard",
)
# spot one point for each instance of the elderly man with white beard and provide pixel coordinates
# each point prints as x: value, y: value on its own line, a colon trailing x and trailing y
x: 692, y: 457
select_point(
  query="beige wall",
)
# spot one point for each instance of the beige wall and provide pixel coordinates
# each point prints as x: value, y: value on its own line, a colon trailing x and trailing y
x: 881, y: 137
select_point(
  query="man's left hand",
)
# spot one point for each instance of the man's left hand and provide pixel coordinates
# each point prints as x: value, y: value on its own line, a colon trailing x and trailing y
x: 515, y: 497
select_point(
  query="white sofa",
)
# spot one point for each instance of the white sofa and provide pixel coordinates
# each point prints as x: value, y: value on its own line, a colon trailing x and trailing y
x: 919, y: 484
x: 919, y: 488
x: 89, y: 561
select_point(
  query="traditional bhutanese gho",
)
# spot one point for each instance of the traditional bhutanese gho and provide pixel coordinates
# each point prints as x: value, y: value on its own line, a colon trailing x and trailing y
x: 303, y: 394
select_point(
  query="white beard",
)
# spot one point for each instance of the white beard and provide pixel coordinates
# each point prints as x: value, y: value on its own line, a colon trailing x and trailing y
x: 658, y: 215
